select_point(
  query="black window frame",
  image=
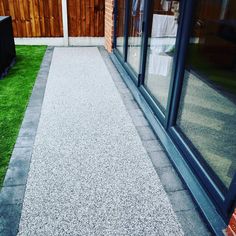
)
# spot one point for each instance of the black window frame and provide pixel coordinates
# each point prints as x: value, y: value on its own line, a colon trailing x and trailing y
x: 224, y: 200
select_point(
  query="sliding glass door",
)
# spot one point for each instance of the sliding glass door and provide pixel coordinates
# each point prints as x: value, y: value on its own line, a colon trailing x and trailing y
x: 163, y: 19
x: 183, y: 55
x: 120, y: 27
x: 207, y: 111
x: 136, y: 12
x: 129, y: 16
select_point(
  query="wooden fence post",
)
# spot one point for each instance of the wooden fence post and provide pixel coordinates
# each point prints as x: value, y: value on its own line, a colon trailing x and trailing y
x: 65, y: 22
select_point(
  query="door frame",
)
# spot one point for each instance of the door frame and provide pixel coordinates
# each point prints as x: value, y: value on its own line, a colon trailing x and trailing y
x: 224, y: 202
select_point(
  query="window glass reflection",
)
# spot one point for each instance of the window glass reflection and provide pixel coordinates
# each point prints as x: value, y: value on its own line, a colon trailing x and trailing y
x: 135, y: 33
x: 120, y: 26
x: 207, y: 115
x: 161, y: 49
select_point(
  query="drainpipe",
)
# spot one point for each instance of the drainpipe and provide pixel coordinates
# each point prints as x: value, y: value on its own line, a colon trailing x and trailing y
x: 65, y: 23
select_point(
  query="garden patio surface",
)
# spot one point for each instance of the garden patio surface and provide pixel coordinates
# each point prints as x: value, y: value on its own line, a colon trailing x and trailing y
x: 96, y: 167
x: 89, y: 173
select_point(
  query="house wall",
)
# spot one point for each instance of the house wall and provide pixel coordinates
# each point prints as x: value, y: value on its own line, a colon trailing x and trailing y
x: 231, y: 229
x: 109, y: 24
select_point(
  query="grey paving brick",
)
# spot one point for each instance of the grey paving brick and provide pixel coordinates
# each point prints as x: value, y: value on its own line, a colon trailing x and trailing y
x: 31, y: 117
x: 35, y: 102
x: 31, y: 110
x: 139, y: 121
x: 37, y: 94
x: 127, y: 96
x: 17, y: 172
x: 130, y: 104
x: 192, y: 223
x: 181, y: 200
x: 12, y: 195
x: 39, y: 88
x: 116, y: 78
x: 121, y: 85
x: 30, y: 122
x: 24, y: 141
x: 127, y: 99
x: 124, y: 91
x: 152, y: 145
x: 21, y: 153
x: 32, y: 114
x: 146, y: 133
x: 28, y: 129
x: 135, y: 112
x: 9, y: 219
x: 44, y: 70
x: 159, y: 159
x: 41, y: 80
x: 170, y: 179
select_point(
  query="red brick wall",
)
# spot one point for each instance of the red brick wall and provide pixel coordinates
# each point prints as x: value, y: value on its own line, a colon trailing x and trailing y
x: 231, y: 229
x: 109, y: 28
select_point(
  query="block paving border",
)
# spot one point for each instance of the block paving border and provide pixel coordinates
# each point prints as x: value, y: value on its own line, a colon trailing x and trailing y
x: 179, y: 196
x: 13, y: 190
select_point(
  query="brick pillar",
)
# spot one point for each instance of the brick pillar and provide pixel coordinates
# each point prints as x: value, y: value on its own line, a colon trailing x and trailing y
x: 231, y: 229
x: 109, y: 24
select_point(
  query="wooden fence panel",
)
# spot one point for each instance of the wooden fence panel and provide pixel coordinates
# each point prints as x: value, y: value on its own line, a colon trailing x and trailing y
x: 86, y: 18
x: 34, y: 18
x: 120, y: 20
x: 43, y: 18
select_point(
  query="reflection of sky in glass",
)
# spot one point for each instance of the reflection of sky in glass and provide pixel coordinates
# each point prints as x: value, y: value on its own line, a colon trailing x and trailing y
x: 135, y: 34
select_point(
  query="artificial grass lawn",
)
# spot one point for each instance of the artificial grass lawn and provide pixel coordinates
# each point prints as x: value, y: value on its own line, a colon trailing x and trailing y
x: 15, y: 91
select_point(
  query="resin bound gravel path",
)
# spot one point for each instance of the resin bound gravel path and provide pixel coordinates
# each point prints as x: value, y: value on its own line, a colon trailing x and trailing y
x: 90, y: 174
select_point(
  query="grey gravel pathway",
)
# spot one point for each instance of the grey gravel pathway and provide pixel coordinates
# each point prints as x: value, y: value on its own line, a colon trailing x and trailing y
x: 90, y: 174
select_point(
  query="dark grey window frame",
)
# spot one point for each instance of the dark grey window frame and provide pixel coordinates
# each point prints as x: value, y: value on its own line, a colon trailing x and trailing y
x: 223, y: 200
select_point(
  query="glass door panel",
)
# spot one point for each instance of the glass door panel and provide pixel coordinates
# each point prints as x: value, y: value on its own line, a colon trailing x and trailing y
x: 161, y: 50
x: 207, y: 113
x: 120, y: 26
x: 136, y: 11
